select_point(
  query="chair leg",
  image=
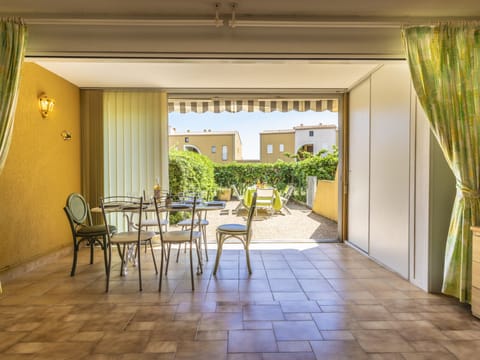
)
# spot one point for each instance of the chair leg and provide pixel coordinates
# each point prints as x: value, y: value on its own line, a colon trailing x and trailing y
x: 219, y: 252
x: 139, y: 266
x: 247, y: 253
x: 161, y: 269
x: 109, y: 266
x: 178, y: 252
x: 153, y: 255
x: 104, y: 247
x: 92, y: 247
x: 168, y: 258
x: 191, y: 267
x: 75, y: 257
x: 122, y: 258
x: 204, y: 235
x: 199, y: 256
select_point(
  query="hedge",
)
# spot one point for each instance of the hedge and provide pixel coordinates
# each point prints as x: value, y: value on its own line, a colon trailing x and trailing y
x: 279, y: 174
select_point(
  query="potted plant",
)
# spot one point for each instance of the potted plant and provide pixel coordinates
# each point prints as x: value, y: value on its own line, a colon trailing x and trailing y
x: 224, y: 194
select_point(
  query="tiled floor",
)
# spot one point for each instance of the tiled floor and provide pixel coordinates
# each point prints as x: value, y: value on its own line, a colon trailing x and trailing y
x: 304, y: 301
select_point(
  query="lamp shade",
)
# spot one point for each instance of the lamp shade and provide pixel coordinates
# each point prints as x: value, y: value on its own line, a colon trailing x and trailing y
x: 46, y: 105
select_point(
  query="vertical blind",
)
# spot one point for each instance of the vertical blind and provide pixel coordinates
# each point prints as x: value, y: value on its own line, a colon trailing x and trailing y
x: 132, y: 129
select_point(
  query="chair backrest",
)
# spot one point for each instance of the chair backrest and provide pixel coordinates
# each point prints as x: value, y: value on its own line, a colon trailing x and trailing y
x: 266, y: 195
x: 251, y: 212
x: 288, y: 193
x: 77, y: 209
x: 236, y: 193
x: 131, y: 205
x: 192, y: 208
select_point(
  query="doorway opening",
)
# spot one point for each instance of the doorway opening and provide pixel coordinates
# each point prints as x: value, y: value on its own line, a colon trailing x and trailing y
x: 266, y: 138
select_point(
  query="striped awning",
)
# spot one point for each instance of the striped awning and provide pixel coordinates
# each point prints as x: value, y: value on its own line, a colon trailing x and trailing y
x: 229, y: 105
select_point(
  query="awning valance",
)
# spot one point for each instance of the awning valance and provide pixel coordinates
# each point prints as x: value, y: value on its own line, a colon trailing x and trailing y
x: 231, y: 105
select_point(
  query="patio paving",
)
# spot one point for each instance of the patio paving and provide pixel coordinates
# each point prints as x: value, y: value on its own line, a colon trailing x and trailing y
x: 302, y: 225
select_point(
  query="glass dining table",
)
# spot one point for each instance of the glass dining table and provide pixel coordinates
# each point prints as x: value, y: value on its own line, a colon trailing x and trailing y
x: 202, y: 207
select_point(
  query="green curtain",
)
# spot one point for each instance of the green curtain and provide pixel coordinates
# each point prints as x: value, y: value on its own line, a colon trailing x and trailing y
x: 13, y: 37
x: 444, y: 62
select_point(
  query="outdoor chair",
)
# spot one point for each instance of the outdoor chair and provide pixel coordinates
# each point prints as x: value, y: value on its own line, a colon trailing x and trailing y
x: 179, y: 237
x: 128, y: 242
x: 83, y: 230
x: 236, y: 194
x: 242, y: 232
x: 286, y: 197
x: 265, y: 199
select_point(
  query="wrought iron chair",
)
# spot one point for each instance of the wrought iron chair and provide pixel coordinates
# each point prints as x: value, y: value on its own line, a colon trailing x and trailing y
x: 124, y: 241
x: 81, y: 224
x: 201, y: 221
x: 242, y: 232
x: 179, y: 237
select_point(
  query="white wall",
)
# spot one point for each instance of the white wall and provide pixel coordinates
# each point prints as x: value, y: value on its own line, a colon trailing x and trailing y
x: 359, y: 166
x: 390, y: 166
x: 434, y: 196
x: 400, y: 189
x: 321, y: 139
x: 379, y: 167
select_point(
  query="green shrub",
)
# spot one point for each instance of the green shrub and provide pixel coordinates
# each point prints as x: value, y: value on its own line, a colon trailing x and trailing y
x: 279, y: 174
x: 189, y: 171
x: 322, y: 165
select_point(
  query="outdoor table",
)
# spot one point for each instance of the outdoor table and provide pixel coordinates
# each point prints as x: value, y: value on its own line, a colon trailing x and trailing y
x: 248, y: 196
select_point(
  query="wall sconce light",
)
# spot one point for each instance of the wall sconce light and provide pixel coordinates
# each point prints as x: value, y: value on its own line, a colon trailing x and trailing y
x: 66, y: 135
x: 46, y: 105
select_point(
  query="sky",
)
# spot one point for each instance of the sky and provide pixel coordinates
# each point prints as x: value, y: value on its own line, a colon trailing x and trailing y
x: 249, y: 125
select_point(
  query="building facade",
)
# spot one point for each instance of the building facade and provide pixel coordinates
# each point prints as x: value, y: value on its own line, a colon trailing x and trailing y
x: 275, y: 143
x: 313, y: 138
x: 219, y: 146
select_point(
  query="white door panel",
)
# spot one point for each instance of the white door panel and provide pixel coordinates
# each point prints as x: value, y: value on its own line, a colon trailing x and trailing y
x: 390, y: 167
x: 359, y: 168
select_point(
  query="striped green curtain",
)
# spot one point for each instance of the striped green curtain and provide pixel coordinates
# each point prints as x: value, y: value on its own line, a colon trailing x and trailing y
x: 444, y: 62
x: 13, y: 36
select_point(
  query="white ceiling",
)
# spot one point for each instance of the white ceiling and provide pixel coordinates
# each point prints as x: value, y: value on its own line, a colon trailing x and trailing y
x: 183, y: 75
x: 122, y: 43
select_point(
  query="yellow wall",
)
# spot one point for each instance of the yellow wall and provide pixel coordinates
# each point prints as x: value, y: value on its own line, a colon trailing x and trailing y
x: 204, y: 142
x: 41, y: 170
x: 285, y: 138
x: 326, y: 199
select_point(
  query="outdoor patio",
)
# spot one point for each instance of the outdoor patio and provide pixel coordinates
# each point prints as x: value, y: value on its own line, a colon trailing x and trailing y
x: 302, y: 225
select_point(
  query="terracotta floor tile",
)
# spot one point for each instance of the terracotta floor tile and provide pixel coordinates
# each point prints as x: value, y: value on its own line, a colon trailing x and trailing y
x: 348, y: 349
x: 294, y: 346
x: 299, y: 307
x: 303, y: 301
x: 262, y: 312
x: 374, y: 341
x: 289, y: 356
x: 251, y: 341
x: 296, y: 330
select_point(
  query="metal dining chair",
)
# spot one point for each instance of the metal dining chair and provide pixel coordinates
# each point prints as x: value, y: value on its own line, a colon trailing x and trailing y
x: 129, y: 206
x: 83, y: 230
x: 179, y: 237
x: 242, y: 232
